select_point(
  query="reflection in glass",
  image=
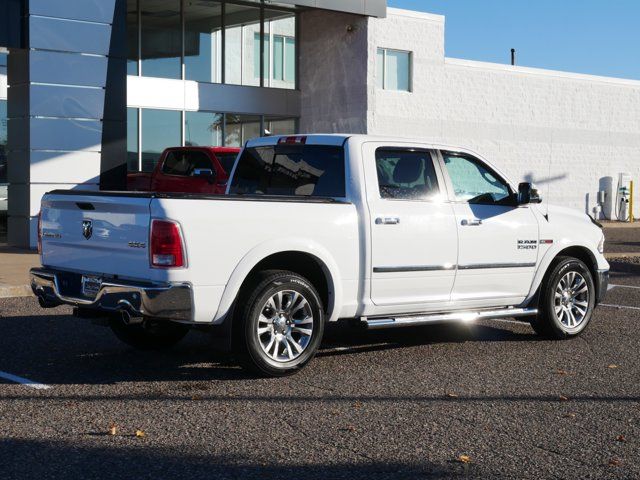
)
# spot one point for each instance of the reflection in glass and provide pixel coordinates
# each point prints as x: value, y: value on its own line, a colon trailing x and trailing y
x: 240, y: 128
x: 160, y: 130
x: 203, y: 129
x: 161, y: 38
x: 132, y: 140
x: 280, y: 126
x: 132, y: 37
x: 280, y: 52
x: 242, y: 24
x: 203, y: 41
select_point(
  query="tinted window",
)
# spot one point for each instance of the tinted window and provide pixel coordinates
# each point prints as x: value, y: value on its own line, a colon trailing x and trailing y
x: 184, y: 163
x: 227, y: 160
x: 294, y: 170
x: 404, y: 174
x: 473, y: 181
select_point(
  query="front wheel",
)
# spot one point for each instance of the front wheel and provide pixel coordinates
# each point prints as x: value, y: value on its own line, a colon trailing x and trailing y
x: 567, y: 300
x: 151, y: 334
x: 279, y: 324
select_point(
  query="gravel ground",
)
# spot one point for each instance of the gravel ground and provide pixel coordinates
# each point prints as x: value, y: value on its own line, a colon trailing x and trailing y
x: 489, y: 400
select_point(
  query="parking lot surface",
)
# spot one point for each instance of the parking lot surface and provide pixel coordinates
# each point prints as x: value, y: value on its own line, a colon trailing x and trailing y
x: 488, y: 400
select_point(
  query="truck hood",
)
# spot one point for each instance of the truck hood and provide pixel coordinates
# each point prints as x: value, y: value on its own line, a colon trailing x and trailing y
x: 571, y: 225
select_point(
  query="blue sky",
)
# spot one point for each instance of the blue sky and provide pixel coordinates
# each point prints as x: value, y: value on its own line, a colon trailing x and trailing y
x: 600, y: 37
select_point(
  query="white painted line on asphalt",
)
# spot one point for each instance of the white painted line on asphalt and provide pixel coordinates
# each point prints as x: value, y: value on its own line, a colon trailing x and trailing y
x: 612, y: 286
x: 24, y: 381
x: 619, y: 306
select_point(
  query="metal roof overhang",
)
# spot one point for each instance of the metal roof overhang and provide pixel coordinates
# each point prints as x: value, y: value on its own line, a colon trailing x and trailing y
x: 372, y: 8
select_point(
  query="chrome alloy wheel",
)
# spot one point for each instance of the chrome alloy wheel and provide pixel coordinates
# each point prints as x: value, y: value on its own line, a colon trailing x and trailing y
x: 571, y: 300
x: 285, y: 326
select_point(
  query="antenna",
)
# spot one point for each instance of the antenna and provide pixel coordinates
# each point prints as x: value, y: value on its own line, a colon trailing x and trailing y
x: 549, y: 178
x: 513, y: 56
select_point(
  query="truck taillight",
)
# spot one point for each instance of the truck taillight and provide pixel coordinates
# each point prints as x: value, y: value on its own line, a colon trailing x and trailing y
x: 40, y: 232
x: 167, y: 247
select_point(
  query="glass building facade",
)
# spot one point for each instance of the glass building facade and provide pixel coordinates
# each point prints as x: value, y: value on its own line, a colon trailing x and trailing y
x: 208, y: 42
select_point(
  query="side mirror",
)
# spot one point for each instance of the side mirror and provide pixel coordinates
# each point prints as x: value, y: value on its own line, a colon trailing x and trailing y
x: 204, y: 173
x: 527, y: 193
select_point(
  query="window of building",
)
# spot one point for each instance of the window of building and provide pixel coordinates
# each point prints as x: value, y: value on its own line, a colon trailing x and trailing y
x: 474, y: 182
x: 133, y: 160
x: 394, y: 70
x: 406, y: 175
x: 203, y: 41
x: 151, y: 131
x: 291, y: 170
x: 280, y: 125
x: 240, y: 128
x: 203, y: 129
x: 161, y: 38
x: 185, y: 164
x: 280, y: 49
x: 242, y: 24
x: 221, y: 42
x: 161, y: 129
x: 133, y: 36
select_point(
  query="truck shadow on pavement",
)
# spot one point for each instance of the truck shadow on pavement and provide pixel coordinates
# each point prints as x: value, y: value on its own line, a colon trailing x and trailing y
x: 64, y: 350
x: 117, y: 458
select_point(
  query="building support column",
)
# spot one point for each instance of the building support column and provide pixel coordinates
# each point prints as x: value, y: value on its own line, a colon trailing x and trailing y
x: 67, y: 106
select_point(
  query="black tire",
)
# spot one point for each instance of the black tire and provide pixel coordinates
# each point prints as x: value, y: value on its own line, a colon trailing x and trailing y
x: 552, y: 325
x: 151, y: 334
x: 252, y: 310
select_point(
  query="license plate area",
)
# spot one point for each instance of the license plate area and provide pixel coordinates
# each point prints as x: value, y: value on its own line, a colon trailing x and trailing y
x: 91, y: 285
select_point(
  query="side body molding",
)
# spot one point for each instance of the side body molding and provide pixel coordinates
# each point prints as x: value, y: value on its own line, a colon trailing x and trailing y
x: 281, y: 245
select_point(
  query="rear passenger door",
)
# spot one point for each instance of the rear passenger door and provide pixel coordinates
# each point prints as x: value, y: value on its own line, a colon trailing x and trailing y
x: 413, y: 229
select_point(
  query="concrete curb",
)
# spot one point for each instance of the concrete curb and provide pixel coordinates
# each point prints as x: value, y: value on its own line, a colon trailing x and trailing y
x: 614, y: 225
x: 15, y: 291
x: 616, y: 255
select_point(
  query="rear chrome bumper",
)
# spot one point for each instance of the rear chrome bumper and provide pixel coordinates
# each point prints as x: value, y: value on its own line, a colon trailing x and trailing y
x: 169, y: 301
x: 602, y: 284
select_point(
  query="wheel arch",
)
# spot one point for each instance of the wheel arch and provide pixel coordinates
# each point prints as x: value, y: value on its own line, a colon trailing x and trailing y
x: 305, y: 258
x: 581, y: 252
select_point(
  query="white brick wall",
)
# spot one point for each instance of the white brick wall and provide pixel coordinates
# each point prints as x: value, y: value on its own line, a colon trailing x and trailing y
x: 565, y: 132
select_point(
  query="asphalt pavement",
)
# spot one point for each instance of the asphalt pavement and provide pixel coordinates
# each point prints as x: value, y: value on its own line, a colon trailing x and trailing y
x: 489, y: 400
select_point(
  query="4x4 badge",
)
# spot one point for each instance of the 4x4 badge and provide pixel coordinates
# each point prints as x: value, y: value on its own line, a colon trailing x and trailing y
x: 87, y: 229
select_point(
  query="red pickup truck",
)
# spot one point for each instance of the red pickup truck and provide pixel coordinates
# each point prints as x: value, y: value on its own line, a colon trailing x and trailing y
x: 188, y: 170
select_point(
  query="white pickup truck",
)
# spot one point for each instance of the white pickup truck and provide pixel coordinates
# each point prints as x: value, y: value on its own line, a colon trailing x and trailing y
x: 390, y: 232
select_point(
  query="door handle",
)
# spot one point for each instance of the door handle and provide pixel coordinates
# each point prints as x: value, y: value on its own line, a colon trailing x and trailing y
x: 473, y: 222
x: 387, y: 221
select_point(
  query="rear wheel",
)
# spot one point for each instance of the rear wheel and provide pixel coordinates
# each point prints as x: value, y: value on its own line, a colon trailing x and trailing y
x: 567, y: 300
x: 151, y: 334
x: 279, y: 324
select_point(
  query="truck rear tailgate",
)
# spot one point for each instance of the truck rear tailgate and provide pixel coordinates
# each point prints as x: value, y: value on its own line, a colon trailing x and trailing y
x: 97, y: 233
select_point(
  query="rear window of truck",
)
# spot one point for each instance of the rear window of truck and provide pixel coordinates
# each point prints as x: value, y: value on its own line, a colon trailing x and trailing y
x: 291, y: 170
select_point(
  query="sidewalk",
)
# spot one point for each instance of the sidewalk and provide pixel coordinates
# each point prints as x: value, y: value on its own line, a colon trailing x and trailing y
x: 623, y: 241
x: 14, y: 271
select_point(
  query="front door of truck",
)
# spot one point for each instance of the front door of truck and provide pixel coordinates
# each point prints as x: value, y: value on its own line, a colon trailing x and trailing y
x: 413, y: 228
x: 498, y: 239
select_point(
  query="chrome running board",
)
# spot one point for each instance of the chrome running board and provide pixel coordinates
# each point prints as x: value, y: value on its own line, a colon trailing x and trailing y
x: 466, y: 316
